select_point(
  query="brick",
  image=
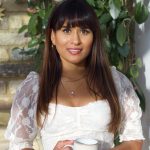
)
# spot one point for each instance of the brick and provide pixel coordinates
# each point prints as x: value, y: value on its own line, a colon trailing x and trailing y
x: 15, y: 55
x: 2, y: 87
x: 5, y: 98
x: 4, y: 56
x: 3, y: 122
x: 25, y: 19
x: 15, y: 70
x: 12, y: 86
x: 8, y: 38
x: 11, y: 5
x: 15, y: 21
x: 4, y: 24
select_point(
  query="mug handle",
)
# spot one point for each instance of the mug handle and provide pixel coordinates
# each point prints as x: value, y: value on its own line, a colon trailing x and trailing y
x: 71, y: 146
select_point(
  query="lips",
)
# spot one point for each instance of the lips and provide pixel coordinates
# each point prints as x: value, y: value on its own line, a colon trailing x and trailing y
x: 74, y: 51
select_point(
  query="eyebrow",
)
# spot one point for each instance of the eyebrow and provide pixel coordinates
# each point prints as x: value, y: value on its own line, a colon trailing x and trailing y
x: 67, y: 26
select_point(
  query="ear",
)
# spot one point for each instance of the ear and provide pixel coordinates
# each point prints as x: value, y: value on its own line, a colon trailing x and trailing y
x: 53, y: 37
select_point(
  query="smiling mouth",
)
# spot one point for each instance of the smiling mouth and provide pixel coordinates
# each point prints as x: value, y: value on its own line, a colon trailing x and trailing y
x: 74, y: 51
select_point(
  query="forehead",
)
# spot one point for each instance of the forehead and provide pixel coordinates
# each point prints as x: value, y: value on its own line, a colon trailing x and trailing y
x: 71, y: 24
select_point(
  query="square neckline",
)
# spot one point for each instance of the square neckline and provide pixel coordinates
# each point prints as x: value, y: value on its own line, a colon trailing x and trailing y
x: 82, y: 106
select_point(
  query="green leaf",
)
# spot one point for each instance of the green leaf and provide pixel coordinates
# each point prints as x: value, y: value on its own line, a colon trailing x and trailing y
x: 124, y: 50
x: 100, y: 4
x: 115, y: 8
x: 41, y: 38
x: 117, y: 139
x: 134, y: 71
x: 121, y: 34
x: 48, y: 11
x: 141, y: 13
x: 17, y: 49
x: 33, y: 42
x: 117, y: 3
x: 123, y: 14
x: 105, y: 18
x: 30, y: 51
x: 138, y: 62
x: 42, y: 13
x: 32, y: 26
x: 120, y: 65
x: 98, y: 12
x: 91, y: 2
x: 23, y: 28
x: 103, y: 30
x: 39, y: 26
x: 107, y: 45
x: 114, y: 57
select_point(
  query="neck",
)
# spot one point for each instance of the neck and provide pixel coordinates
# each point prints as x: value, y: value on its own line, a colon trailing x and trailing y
x: 73, y: 72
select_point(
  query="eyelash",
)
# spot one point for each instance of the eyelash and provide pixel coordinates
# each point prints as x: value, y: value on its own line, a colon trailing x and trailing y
x: 83, y: 31
x: 66, y: 30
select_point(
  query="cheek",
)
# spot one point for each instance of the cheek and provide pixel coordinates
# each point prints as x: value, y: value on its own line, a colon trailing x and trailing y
x: 88, y: 43
x: 61, y: 41
x: 61, y: 45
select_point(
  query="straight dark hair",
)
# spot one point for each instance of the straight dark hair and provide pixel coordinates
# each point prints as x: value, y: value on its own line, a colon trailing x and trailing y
x: 100, y: 81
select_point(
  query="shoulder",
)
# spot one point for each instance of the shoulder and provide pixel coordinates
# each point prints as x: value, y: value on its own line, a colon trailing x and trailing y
x: 117, y: 74
x: 31, y: 78
x: 33, y: 75
x: 30, y: 84
x: 122, y: 83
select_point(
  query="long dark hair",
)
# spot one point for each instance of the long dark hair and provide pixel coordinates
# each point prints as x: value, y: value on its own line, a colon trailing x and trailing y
x: 100, y: 81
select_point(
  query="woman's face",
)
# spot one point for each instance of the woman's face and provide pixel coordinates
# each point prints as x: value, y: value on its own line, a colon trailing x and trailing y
x: 73, y: 44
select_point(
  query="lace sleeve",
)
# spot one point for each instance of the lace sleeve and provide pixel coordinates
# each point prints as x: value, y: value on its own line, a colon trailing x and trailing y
x: 22, y: 128
x: 131, y: 128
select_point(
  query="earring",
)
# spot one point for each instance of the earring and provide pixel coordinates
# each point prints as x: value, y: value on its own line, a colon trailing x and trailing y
x: 52, y: 46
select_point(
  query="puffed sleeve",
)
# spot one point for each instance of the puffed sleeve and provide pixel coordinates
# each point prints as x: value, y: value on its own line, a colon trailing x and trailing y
x: 130, y: 128
x: 22, y: 127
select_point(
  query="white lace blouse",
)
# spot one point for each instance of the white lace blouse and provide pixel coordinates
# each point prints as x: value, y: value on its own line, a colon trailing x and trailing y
x: 66, y: 122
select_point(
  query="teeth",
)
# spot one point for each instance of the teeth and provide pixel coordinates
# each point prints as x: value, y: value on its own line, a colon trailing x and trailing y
x: 74, y: 51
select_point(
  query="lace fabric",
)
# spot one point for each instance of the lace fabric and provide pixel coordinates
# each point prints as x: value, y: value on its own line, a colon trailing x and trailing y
x: 130, y: 128
x: 22, y: 128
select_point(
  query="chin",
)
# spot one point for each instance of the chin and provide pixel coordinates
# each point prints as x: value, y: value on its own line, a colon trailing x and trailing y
x: 80, y: 63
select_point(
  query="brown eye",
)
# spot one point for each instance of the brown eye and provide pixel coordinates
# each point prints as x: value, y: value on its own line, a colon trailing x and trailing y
x: 66, y: 30
x: 85, y: 31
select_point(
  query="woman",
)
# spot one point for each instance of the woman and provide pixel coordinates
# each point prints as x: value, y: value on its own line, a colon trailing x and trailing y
x: 76, y: 94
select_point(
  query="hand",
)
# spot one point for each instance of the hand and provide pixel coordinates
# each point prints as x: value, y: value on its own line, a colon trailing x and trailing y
x: 61, y: 145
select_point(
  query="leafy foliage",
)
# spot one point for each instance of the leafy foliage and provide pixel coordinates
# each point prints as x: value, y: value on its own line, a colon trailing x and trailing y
x: 39, y: 12
x: 141, y: 13
x: 116, y: 20
x: 117, y: 25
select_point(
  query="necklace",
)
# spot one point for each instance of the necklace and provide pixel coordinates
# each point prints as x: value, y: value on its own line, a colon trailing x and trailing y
x: 74, y: 80
x: 73, y: 92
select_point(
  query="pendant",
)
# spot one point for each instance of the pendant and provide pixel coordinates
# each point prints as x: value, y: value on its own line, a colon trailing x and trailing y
x: 72, y: 93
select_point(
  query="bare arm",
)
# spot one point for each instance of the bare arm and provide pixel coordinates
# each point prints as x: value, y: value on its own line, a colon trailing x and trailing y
x: 129, y: 145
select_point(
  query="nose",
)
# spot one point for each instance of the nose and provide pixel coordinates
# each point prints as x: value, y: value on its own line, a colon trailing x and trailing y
x: 76, y: 39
